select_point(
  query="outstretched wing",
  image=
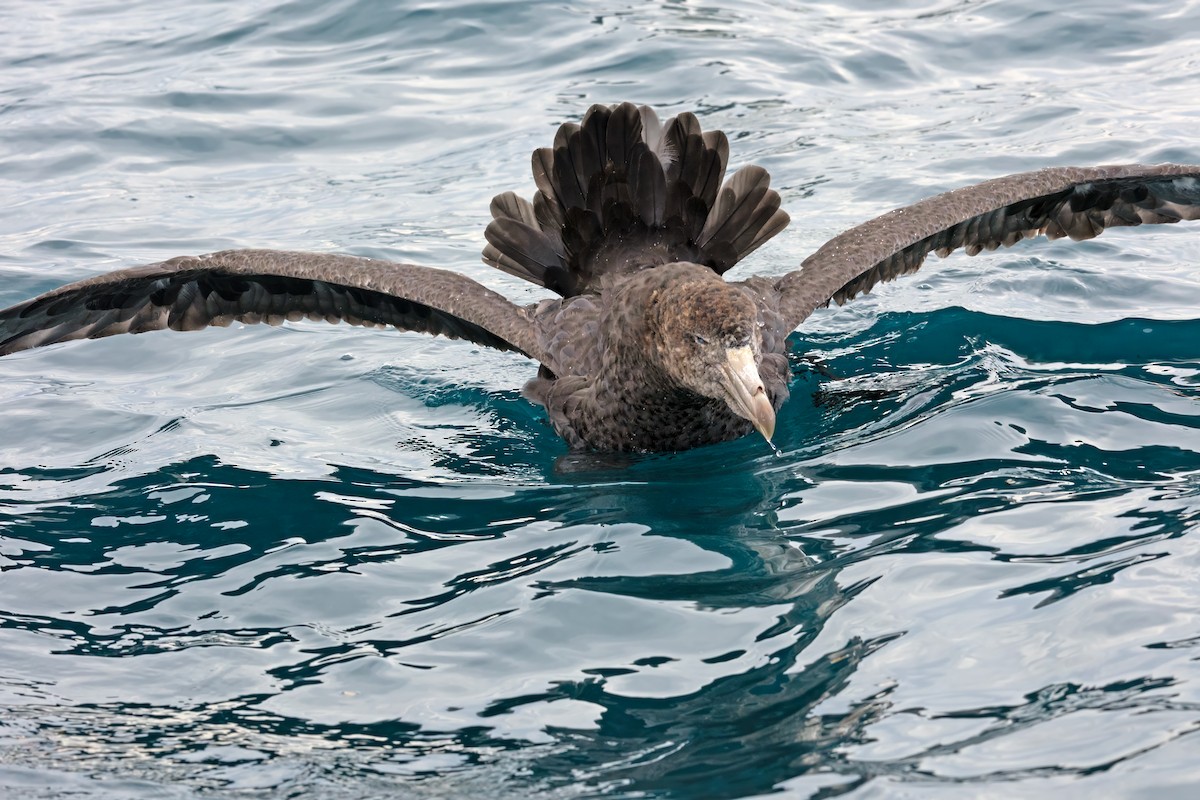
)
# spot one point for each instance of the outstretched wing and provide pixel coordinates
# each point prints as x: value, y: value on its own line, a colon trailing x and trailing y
x: 193, y: 292
x: 1063, y: 201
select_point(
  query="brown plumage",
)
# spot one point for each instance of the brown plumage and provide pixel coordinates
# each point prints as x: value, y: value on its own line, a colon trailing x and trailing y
x: 633, y: 224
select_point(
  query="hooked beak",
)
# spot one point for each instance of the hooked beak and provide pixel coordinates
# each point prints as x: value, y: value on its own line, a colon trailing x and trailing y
x: 744, y: 390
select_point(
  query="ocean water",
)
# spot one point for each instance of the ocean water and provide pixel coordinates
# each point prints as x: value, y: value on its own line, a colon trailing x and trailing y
x: 326, y: 562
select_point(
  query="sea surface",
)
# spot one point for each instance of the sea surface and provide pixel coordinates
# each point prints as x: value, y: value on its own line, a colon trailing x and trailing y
x: 326, y: 562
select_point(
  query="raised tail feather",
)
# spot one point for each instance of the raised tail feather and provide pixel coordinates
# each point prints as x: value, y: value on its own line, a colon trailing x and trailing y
x: 622, y: 192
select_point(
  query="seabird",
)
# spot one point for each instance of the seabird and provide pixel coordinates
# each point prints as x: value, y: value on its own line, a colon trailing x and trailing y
x: 646, y: 346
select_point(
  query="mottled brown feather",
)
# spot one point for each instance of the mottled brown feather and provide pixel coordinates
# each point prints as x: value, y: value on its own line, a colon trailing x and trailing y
x: 632, y: 226
x: 192, y: 292
x: 1062, y: 201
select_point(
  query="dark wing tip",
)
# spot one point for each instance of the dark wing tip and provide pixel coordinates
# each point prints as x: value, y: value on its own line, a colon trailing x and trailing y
x: 1074, y: 202
x: 258, y: 286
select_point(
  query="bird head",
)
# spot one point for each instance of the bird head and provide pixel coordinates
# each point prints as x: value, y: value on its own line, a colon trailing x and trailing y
x: 707, y: 337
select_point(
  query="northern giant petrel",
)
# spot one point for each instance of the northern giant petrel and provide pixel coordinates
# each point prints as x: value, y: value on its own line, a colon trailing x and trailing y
x: 646, y: 346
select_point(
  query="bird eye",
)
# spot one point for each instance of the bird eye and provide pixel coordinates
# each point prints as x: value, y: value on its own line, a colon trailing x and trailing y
x: 698, y: 339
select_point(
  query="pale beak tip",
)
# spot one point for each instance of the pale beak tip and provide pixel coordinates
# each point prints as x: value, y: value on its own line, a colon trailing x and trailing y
x: 763, y: 417
x: 745, y: 392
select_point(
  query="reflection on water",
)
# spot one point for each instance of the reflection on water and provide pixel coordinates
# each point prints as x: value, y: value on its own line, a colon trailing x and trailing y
x: 715, y: 623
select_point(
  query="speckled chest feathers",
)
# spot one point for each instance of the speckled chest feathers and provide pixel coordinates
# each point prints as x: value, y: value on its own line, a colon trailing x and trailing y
x: 656, y: 358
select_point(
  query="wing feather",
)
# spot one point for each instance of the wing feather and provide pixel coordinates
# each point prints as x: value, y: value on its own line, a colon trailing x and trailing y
x: 1064, y: 201
x: 193, y: 292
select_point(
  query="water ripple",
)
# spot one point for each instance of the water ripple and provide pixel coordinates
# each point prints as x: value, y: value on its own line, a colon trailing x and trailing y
x: 326, y: 562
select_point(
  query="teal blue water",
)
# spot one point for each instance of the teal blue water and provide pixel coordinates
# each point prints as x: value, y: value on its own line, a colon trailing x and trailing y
x: 323, y: 562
